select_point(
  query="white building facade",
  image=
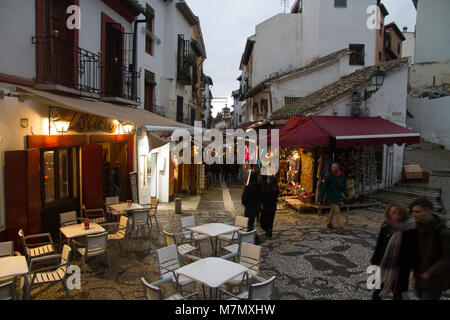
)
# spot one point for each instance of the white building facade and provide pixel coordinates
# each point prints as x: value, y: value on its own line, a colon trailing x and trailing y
x: 289, y: 41
x: 429, y: 90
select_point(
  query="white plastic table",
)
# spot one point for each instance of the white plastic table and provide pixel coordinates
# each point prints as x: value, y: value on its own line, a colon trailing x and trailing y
x: 13, y: 266
x: 123, y: 208
x: 213, y: 230
x: 212, y: 272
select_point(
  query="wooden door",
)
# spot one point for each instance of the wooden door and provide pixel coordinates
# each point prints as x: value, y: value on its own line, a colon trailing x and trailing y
x: 92, y: 176
x: 114, y: 59
x: 60, y: 51
x: 22, y: 193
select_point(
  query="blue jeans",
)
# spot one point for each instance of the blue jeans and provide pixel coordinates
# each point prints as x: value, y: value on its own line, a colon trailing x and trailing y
x: 424, y: 295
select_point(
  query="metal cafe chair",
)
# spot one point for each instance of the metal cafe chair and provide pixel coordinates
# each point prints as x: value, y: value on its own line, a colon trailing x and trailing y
x: 36, y: 250
x: 153, y: 291
x: 258, y: 291
x: 235, y: 248
x: 186, y: 224
x: 241, y: 223
x: 94, y: 215
x: 168, y: 263
x: 250, y: 257
x: 95, y: 245
x: 119, y: 233
x: 140, y: 221
x: 153, y: 211
x: 53, y: 274
x: 110, y: 201
x: 8, y: 285
x: 184, y: 248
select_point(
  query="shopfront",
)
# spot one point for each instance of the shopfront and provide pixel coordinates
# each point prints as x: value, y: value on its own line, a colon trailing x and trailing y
x: 364, y: 148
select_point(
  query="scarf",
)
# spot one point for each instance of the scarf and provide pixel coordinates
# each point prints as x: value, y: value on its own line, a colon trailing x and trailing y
x: 389, y: 265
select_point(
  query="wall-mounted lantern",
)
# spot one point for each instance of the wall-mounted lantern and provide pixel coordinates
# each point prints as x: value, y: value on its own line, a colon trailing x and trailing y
x: 128, y: 128
x: 378, y: 77
x: 61, y: 125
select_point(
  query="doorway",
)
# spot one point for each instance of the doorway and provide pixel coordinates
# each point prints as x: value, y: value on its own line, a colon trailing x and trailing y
x: 180, y: 103
x: 113, y: 60
x: 59, y: 47
x: 60, y: 184
x: 112, y: 153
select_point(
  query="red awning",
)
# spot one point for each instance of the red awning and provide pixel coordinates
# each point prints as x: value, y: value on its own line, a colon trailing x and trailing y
x: 348, y: 131
x: 303, y: 132
x: 365, y: 131
x: 245, y: 126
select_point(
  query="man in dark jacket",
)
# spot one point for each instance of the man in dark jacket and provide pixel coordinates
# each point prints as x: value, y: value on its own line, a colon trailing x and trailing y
x: 115, y: 180
x: 335, y: 190
x: 433, y: 270
x: 251, y: 200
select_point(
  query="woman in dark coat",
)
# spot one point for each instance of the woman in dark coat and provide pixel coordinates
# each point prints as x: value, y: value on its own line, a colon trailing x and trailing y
x: 269, y: 205
x: 395, y: 252
x: 251, y: 200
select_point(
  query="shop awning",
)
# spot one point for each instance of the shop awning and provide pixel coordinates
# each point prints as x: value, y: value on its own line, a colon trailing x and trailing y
x: 348, y: 131
x: 365, y: 131
x: 100, y: 108
x: 303, y: 132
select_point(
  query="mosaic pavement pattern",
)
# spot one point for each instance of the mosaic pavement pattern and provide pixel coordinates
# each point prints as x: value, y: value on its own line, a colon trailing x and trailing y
x: 310, y: 262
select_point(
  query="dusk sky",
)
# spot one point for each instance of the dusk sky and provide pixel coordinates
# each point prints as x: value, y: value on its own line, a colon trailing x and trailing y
x: 226, y: 24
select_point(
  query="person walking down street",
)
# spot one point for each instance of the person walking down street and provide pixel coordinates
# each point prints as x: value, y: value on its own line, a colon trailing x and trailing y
x: 251, y: 200
x: 433, y: 272
x: 334, y: 189
x: 115, y: 180
x: 269, y: 205
x: 396, y: 252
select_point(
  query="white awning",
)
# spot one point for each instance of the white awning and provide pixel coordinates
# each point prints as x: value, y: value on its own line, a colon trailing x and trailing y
x: 100, y: 108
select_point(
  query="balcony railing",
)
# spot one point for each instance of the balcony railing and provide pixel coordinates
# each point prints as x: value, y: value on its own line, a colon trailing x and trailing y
x: 160, y: 111
x: 120, y: 80
x: 67, y: 65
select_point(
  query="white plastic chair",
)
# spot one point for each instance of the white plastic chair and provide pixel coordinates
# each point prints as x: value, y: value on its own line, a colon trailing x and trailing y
x: 95, y: 246
x: 257, y: 291
x: 51, y: 274
x: 168, y: 263
x: 153, y: 291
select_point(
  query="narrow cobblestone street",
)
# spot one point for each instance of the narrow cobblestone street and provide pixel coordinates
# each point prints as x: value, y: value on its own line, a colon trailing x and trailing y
x: 310, y: 262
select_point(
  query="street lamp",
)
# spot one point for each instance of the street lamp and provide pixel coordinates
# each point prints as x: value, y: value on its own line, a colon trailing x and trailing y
x: 377, y: 82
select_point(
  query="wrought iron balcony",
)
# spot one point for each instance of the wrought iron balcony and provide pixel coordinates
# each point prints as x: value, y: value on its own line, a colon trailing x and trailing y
x: 119, y: 81
x: 160, y: 111
x: 62, y: 63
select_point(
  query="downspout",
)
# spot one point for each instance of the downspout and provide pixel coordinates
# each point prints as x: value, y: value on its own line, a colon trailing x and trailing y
x: 135, y: 56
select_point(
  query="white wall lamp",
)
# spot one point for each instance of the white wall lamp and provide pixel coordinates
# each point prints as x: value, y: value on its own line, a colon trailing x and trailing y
x: 127, y: 128
x: 61, y: 126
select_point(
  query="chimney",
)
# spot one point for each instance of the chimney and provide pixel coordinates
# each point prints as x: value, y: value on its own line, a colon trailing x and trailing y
x: 405, y: 29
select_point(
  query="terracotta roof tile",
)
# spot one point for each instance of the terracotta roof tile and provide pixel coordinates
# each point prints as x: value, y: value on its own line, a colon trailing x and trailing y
x: 347, y: 84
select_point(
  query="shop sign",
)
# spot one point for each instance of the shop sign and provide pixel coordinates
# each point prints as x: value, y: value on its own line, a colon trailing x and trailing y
x: 83, y: 122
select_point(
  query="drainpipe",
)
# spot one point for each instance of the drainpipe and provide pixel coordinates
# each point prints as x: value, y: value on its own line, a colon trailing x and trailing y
x: 135, y: 56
